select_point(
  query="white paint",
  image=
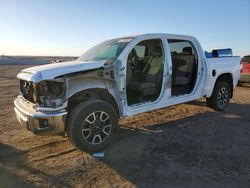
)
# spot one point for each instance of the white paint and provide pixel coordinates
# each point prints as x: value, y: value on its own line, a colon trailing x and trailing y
x: 51, y: 71
x: 204, y: 85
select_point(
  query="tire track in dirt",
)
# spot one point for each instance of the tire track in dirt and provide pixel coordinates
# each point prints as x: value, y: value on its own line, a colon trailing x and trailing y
x: 53, y: 155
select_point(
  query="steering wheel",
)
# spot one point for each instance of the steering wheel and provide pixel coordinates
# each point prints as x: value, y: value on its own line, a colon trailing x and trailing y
x: 132, y: 59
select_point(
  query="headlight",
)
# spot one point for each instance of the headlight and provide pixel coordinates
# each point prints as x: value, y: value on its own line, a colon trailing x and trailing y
x: 55, y: 89
x: 51, y: 93
x: 29, y: 90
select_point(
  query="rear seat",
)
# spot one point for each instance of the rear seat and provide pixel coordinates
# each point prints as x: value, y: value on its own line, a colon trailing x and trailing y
x: 185, y: 67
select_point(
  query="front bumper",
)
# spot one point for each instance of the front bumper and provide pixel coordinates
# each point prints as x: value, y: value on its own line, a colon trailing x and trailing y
x: 245, y: 78
x: 39, y: 122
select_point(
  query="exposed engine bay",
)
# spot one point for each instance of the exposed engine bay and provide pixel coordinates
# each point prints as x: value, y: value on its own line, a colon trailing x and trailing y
x: 45, y: 93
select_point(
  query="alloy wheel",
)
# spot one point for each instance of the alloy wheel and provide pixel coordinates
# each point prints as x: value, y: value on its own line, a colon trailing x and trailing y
x: 222, y: 97
x: 96, y: 127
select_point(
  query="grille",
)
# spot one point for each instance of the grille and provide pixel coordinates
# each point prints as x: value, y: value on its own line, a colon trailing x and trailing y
x: 26, y: 89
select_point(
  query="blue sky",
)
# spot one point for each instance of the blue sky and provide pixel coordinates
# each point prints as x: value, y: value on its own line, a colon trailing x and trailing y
x: 69, y: 27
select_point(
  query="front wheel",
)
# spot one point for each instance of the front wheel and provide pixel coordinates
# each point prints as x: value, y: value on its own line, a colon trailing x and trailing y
x: 220, y: 97
x: 91, y: 125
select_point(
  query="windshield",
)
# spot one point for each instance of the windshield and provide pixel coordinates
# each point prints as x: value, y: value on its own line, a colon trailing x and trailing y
x: 107, y: 50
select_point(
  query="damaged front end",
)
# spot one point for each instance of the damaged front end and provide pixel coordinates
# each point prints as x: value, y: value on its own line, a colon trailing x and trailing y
x: 40, y: 107
x: 51, y: 94
x: 46, y: 94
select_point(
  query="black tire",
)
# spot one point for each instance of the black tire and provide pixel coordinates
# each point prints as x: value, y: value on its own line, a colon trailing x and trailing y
x: 220, y: 96
x: 87, y: 115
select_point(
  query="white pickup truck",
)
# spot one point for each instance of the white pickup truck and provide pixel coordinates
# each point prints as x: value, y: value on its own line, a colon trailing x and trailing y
x: 118, y: 78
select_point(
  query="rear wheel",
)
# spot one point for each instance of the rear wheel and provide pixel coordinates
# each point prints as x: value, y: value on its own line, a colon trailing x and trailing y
x: 91, y: 125
x: 220, y: 97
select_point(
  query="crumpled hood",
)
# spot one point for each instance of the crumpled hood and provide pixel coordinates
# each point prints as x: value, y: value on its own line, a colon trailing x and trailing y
x: 51, y: 71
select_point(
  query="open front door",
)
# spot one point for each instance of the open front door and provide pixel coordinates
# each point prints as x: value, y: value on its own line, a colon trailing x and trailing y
x: 144, y: 75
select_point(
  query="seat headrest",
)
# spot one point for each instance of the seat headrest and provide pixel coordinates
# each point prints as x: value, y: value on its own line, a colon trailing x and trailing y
x: 187, y: 51
x: 157, y: 51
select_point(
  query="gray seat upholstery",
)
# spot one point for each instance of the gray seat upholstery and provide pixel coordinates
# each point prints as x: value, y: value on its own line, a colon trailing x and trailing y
x: 148, y: 86
x: 185, y: 69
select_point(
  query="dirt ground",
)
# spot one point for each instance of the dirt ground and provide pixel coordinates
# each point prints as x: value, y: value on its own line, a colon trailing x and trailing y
x: 188, y: 145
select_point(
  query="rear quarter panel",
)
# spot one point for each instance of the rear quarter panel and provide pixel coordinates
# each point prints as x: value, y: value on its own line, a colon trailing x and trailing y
x: 221, y: 66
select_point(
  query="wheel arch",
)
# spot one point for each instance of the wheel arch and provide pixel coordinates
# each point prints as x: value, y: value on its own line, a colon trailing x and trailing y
x: 227, y: 77
x: 93, y: 93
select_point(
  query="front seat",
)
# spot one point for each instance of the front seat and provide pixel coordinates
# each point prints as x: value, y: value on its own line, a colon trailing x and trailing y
x: 152, y: 75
